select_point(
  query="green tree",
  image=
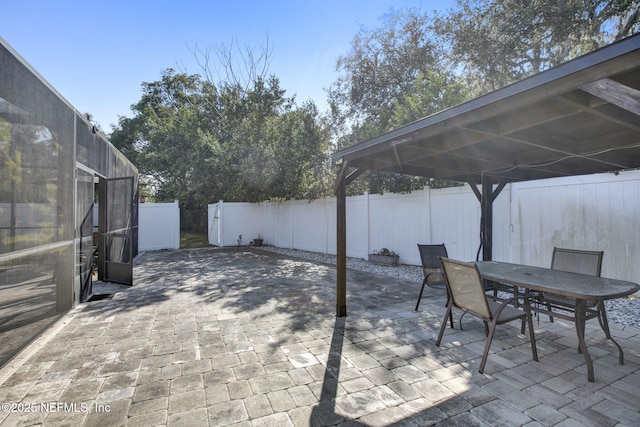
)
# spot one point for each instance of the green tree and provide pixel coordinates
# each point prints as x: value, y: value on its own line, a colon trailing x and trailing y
x: 381, y: 68
x: 272, y: 148
x: 199, y: 142
x: 302, y: 166
x: 393, y: 75
x: 431, y: 92
x: 166, y: 138
x: 502, y: 41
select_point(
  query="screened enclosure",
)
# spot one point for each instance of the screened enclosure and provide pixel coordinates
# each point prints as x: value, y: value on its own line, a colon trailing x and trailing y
x: 52, y: 164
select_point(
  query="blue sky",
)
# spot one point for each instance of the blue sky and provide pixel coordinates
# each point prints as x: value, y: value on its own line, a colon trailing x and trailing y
x: 96, y: 53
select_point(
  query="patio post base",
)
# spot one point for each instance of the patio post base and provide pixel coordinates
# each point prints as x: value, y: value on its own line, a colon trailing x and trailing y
x: 341, y: 310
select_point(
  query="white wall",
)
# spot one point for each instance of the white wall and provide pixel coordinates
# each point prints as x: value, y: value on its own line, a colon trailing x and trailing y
x: 592, y: 212
x: 158, y: 226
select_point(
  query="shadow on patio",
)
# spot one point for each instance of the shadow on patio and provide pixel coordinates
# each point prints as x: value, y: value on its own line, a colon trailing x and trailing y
x: 246, y: 337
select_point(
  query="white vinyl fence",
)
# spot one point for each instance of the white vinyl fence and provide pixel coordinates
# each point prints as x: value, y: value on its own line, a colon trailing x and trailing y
x: 158, y: 226
x: 592, y: 212
x: 395, y: 221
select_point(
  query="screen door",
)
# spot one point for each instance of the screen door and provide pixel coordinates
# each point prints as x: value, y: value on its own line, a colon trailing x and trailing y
x: 115, y: 223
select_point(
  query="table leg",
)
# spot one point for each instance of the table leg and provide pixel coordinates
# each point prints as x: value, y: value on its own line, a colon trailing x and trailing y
x: 604, y: 324
x: 580, y: 320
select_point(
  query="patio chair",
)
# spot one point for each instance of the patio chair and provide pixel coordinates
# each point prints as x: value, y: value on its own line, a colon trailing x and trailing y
x: 574, y: 261
x: 432, y: 268
x: 467, y: 292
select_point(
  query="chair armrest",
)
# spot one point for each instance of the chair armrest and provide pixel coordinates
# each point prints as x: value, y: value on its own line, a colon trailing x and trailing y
x: 511, y: 312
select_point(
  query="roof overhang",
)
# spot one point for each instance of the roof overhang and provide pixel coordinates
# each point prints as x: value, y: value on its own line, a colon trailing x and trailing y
x: 578, y: 118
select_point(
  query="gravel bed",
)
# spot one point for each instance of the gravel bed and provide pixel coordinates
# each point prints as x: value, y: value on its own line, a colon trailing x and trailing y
x: 624, y: 311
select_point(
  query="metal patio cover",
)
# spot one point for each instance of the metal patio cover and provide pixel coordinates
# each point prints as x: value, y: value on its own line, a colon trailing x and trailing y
x: 578, y: 118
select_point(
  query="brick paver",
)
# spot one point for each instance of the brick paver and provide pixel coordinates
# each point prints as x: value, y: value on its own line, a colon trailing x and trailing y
x: 248, y: 338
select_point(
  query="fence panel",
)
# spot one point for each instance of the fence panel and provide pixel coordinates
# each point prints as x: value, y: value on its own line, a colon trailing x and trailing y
x: 285, y: 225
x: 397, y: 222
x: 159, y: 226
x: 357, y: 226
x: 272, y: 219
x: 332, y: 221
x: 502, y: 227
x: 594, y: 212
x: 242, y: 222
x: 599, y: 212
x: 310, y: 225
x: 214, y: 221
x: 455, y: 221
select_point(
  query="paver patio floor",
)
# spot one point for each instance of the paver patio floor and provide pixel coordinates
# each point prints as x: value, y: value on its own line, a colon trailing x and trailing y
x: 245, y: 337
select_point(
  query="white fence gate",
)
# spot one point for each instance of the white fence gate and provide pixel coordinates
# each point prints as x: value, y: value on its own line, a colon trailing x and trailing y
x: 592, y: 212
x: 158, y: 226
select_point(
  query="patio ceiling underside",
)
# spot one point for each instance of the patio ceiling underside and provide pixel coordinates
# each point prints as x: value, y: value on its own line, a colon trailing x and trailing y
x: 579, y: 118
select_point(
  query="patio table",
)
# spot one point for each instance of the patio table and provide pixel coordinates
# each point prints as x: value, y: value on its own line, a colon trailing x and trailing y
x: 579, y: 286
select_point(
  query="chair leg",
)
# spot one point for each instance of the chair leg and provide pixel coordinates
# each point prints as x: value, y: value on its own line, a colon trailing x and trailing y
x: 460, y: 320
x: 424, y: 282
x: 420, y: 299
x: 526, y: 301
x: 532, y: 337
x: 487, y: 346
x: 549, y: 309
x: 451, y: 312
x: 443, y: 326
x: 451, y: 318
